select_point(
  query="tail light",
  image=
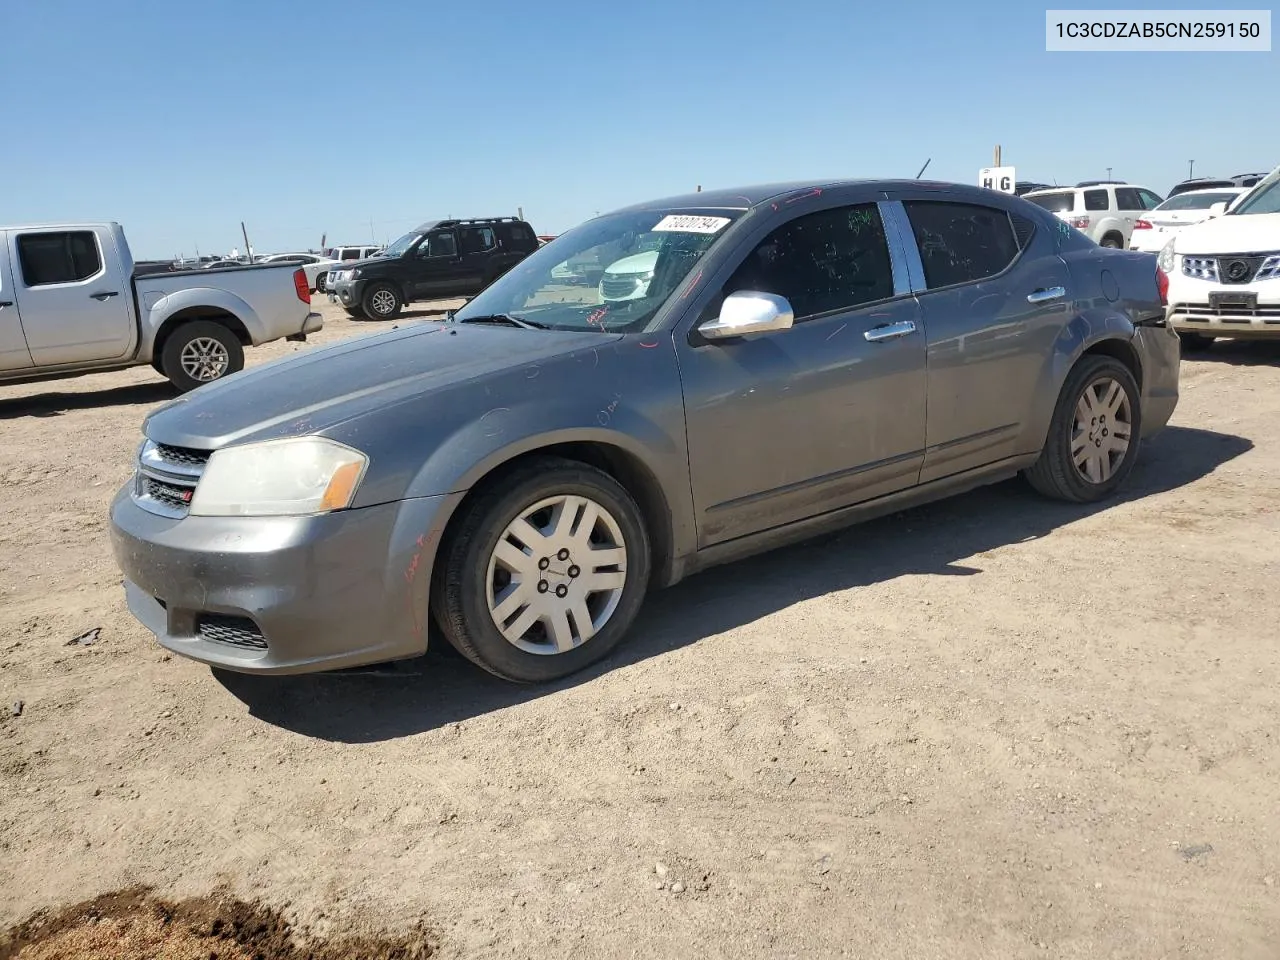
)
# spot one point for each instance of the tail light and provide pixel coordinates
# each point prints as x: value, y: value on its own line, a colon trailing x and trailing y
x: 1142, y: 225
x: 1080, y: 223
x: 1162, y: 286
x: 300, y: 284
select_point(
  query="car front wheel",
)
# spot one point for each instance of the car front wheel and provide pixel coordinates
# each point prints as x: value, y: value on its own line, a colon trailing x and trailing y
x: 1093, y: 436
x: 544, y: 573
x: 381, y: 302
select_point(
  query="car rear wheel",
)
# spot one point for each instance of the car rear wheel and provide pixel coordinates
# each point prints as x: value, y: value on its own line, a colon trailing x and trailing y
x: 321, y: 280
x: 381, y: 302
x: 1093, y: 436
x: 199, y: 352
x: 544, y: 573
x: 1195, y: 342
x: 1112, y: 242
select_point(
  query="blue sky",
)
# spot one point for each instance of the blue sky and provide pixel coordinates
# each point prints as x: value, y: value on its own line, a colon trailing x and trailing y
x: 179, y: 119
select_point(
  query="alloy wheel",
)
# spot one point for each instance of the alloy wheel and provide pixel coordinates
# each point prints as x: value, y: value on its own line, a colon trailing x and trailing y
x: 205, y: 359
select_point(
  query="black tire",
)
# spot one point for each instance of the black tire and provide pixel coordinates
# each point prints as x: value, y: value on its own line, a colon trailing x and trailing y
x: 1112, y: 242
x: 171, y: 356
x: 1055, y: 473
x: 459, y: 601
x: 355, y: 312
x: 381, y: 301
x: 1195, y: 342
x: 321, y: 279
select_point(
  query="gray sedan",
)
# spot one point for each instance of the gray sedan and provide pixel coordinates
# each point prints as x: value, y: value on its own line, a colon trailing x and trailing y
x: 785, y: 360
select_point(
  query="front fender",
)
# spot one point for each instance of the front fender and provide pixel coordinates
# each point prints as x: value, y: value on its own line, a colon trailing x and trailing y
x: 504, y: 433
x: 1088, y: 328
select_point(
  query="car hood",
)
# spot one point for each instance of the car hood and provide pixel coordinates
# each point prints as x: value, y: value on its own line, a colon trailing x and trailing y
x: 636, y: 263
x: 318, y: 389
x: 1246, y: 233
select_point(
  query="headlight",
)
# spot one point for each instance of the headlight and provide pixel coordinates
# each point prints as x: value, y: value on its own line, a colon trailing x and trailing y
x: 1164, y: 260
x: 279, y: 478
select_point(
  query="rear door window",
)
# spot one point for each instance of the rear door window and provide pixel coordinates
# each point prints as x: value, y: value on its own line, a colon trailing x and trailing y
x: 1127, y: 198
x: 1150, y: 200
x: 477, y: 239
x: 961, y: 242
x: 62, y: 257
x: 1096, y: 200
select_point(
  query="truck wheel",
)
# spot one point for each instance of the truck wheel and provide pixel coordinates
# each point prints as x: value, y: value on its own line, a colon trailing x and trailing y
x: 1093, y: 436
x: 381, y: 302
x: 321, y: 279
x: 200, y: 352
x: 545, y: 572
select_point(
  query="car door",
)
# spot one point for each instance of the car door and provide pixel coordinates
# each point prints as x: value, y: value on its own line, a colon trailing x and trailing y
x: 993, y: 296
x: 791, y: 424
x: 478, y: 246
x: 13, y: 343
x: 434, y: 266
x: 72, y: 295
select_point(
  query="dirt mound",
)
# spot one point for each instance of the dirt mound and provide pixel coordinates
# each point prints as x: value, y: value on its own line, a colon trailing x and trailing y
x: 134, y: 925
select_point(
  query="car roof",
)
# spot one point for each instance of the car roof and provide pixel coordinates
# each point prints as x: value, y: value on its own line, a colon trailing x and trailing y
x: 1231, y: 189
x: 754, y: 195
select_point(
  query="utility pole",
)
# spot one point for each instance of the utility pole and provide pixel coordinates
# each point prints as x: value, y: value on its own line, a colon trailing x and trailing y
x: 372, y: 238
x: 247, y: 248
x: 1191, y: 169
x: 997, y: 163
x: 520, y: 212
x: 699, y: 190
x: 1108, y: 173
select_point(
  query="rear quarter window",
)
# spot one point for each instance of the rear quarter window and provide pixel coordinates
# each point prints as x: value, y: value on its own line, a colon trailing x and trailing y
x: 1096, y: 200
x: 1063, y: 201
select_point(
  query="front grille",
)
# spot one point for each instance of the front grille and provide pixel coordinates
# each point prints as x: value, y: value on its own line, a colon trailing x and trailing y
x: 183, y: 455
x: 235, y: 631
x: 615, y: 288
x: 1238, y: 269
x: 1231, y: 313
x: 1200, y: 268
x: 167, y: 477
x: 171, y: 495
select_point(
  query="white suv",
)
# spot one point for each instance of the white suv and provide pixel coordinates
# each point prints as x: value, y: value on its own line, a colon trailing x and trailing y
x: 1104, y: 211
x: 1222, y: 275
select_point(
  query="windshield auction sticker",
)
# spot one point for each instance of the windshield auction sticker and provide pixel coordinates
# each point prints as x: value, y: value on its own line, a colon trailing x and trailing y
x: 685, y: 223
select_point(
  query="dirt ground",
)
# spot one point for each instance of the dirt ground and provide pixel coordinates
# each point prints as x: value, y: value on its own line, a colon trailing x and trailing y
x: 993, y: 727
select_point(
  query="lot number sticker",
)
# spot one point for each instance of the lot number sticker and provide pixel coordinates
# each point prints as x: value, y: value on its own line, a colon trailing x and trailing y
x: 690, y: 224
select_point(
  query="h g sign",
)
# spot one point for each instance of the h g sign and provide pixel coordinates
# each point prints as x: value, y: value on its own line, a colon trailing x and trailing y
x: 998, y: 178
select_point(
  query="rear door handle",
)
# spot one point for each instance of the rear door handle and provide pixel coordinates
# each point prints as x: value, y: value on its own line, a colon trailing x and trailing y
x: 5, y: 303
x: 891, y: 331
x: 104, y: 296
x: 1045, y: 294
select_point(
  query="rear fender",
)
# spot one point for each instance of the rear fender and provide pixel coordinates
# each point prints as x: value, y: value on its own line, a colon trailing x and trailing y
x: 157, y: 307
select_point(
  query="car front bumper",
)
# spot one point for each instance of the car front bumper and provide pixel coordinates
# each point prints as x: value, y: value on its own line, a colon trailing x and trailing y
x: 348, y: 292
x: 282, y: 594
x: 1254, y: 315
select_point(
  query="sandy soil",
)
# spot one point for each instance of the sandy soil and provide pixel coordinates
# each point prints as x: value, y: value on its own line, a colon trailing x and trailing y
x: 994, y: 727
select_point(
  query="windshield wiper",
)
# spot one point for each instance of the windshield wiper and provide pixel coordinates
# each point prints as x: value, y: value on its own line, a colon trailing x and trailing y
x: 507, y: 319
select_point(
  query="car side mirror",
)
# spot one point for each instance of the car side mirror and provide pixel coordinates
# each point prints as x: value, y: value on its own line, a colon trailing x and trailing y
x: 1218, y: 209
x: 749, y: 311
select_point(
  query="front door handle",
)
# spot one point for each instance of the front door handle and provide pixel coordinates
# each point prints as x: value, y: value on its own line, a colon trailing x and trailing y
x: 104, y: 296
x: 5, y: 303
x: 891, y: 331
x: 1045, y: 294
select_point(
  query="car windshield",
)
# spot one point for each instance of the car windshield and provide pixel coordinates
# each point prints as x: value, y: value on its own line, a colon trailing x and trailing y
x: 399, y: 248
x: 1062, y: 202
x: 1264, y: 198
x: 1197, y: 201
x: 611, y: 273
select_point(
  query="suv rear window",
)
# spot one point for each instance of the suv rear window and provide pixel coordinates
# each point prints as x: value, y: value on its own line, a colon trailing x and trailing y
x: 1062, y: 202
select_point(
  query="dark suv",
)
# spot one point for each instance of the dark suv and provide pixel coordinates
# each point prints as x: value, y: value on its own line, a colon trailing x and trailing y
x: 437, y: 260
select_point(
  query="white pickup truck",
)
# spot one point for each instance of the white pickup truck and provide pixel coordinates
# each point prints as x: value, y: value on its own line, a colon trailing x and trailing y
x: 70, y: 304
